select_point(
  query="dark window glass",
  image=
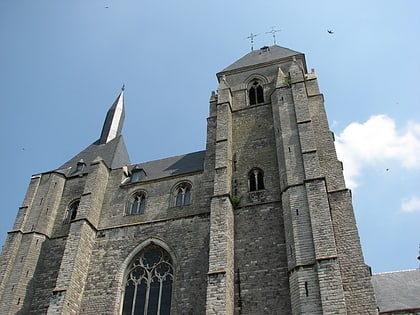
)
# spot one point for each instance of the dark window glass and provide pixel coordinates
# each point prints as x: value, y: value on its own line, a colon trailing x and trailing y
x: 149, y: 283
x: 256, y: 93
x: 260, y: 94
x: 72, y: 211
x: 252, y: 182
x: 187, y: 196
x: 260, y: 180
x: 256, y: 180
x: 137, y: 203
x: 179, y: 198
x: 252, y: 96
x: 182, y: 195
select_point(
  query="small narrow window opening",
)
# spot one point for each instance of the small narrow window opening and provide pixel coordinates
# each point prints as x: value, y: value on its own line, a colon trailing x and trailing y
x: 306, y: 288
x: 72, y: 210
x: 256, y: 180
x: 260, y: 94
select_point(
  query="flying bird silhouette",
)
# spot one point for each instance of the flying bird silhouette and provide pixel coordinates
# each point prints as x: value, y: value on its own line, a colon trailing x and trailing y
x: 330, y: 32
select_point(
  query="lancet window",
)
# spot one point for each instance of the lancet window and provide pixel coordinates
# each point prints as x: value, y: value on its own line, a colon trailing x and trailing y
x: 256, y: 179
x: 182, y: 195
x: 72, y: 210
x: 137, y: 203
x: 256, y: 93
x: 148, y: 284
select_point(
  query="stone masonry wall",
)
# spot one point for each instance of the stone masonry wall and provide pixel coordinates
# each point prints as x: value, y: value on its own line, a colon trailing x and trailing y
x: 46, y: 275
x: 261, y: 261
x: 187, y: 238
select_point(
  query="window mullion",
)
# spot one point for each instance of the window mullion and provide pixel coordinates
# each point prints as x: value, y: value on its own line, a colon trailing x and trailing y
x: 133, y: 308
x: 160, y: 295
x: 146, y: 302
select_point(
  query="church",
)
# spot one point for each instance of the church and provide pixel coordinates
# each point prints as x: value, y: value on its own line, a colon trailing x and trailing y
x: 260, y: 222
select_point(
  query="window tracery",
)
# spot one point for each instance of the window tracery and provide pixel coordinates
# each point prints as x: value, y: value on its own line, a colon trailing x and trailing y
x: 137, y: 203
x: 256, y: 179
x: 148, y: 284
x: 256, y: 93
x: 182, y: 195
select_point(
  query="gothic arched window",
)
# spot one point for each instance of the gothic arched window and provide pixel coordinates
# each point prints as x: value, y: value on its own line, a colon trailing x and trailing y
x: 256, y: 93
x: 137, y: 203
x: 72, y: 211
x: 182, y: 195
x: 256, y: 179
x: 148, y: 284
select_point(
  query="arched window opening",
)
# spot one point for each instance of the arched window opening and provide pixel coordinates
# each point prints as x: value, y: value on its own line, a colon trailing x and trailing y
x: 148, y: 284
x: 182, y: 195
x: 256, y: 180
x: 256, y: 93
x: 72, y: 210
x: 137, y: 203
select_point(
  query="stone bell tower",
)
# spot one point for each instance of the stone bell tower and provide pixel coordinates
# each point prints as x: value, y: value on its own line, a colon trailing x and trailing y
x: 261, y: 222
x: 288, y: 238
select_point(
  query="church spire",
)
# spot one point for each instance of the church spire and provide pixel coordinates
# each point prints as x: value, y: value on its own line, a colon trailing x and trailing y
x: 114, y: 120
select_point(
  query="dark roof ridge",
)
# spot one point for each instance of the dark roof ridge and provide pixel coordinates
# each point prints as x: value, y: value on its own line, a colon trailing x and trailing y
x: 265, y: 56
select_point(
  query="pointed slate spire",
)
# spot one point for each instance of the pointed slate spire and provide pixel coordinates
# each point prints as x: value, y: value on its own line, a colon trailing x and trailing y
x: 114, y: 120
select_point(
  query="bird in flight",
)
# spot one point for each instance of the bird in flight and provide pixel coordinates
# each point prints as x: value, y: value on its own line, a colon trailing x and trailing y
x: 330, y: 32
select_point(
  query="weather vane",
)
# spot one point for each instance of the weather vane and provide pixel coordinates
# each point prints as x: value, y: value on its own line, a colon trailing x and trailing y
x: 251, y: 37
x: 273, y: 32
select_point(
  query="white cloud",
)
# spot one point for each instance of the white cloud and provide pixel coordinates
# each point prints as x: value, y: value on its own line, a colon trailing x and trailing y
x: 376, y: 141
x: 411, y: 205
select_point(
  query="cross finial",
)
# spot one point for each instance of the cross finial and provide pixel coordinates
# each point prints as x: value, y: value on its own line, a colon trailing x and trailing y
x: 251, y: 37
x: 273, y: 32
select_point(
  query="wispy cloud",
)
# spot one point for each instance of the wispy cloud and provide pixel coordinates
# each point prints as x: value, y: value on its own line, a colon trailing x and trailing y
x: 376, y: 141
x: 411, y: 205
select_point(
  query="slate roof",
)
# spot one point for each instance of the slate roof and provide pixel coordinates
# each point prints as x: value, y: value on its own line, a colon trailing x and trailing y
x: 397, y: 290
x: 114, y: 153
x: 263, y: 55
x: 172, y: 166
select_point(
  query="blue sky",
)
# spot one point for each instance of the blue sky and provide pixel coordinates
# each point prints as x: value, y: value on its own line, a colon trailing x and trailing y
x: 62, y: 64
